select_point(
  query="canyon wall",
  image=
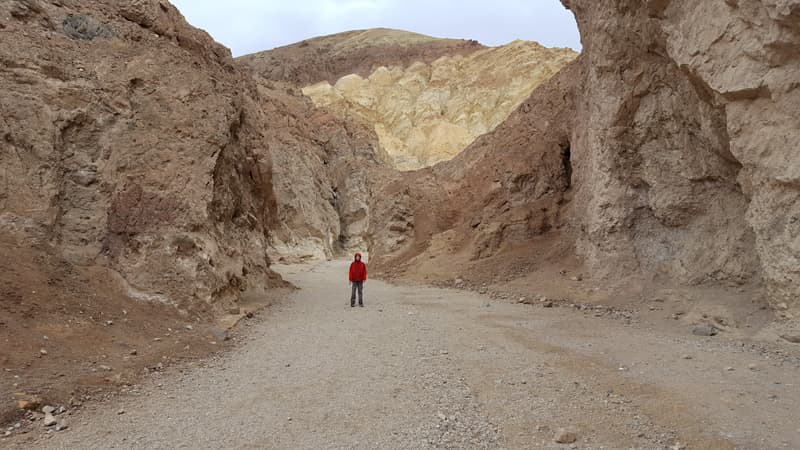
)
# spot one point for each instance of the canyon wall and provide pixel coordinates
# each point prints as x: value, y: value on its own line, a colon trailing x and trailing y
x: 131, y: 142
x: 322, y: 171
x: 677, y: 156
x: 686, y: 142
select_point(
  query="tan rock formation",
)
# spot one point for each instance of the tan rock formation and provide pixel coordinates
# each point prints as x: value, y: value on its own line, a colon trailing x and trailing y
x: 322, y: 171
x: 427, y: 113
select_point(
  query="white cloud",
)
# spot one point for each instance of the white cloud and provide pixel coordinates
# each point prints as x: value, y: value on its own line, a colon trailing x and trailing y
x: 248, y: 26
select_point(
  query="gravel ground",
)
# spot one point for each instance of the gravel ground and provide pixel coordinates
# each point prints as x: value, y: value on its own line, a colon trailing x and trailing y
x: 421, y: 367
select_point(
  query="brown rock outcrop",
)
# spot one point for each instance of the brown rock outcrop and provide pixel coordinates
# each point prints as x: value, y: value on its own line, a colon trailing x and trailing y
x: 130, y: 140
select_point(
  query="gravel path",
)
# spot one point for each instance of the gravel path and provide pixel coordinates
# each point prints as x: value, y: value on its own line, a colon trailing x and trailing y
x: 429, y: 368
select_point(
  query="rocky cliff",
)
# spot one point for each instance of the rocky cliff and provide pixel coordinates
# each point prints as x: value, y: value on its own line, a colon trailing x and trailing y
x: 131, y: 141
x: 425, y: 113
x: 673, y: 161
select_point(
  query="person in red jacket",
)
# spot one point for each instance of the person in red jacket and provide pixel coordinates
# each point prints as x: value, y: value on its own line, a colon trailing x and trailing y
x: 358, y: 275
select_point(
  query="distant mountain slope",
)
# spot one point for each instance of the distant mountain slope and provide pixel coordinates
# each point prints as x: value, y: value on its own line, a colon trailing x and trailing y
x: 353, y: 52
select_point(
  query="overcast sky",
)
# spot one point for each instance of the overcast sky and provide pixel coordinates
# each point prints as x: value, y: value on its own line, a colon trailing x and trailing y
x: 248, y: 26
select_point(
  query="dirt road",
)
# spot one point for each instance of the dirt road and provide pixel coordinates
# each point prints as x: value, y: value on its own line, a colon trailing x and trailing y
x: 428, y: 368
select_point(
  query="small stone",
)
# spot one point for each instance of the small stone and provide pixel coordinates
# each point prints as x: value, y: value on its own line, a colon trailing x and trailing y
x: 564, y: 436
x: 441, y: 416
x: 189, y: 327
x: 49, y: 420
x: 109, y: 322
x: 704, y: 329
x: 444, y: 352
x: 106, y: 368
x: 120, y: 412
x: 752, y: 367
x: 548, y: 304
x: 43, y: 352
x: 62, y: 425
x: 729, y: 369
x: 687, y: 356
x: 48, y: 409
x: 794, y: 338
x: 133, y: 353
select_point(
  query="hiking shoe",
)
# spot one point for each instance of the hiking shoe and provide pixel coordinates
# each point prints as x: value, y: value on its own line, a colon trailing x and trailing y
x: 361, y: 305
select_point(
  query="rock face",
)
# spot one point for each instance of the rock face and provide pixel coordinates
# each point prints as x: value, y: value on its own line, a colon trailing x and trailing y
x: 322, y: 171
x: 687, y: 128
x: 427, y: 113
x: 132, y: 141
x: 666, y: 151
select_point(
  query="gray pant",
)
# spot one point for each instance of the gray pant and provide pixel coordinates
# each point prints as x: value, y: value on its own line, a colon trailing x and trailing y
x: 357, y: 285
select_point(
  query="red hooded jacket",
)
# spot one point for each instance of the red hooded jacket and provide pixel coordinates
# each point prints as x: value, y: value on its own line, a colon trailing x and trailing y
x: 358, y: 270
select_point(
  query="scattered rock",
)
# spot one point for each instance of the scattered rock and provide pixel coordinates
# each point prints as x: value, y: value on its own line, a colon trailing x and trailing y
x: 62, y: 425
x: 564, y: 436
x: 43, y: 352
x: 220, y: 335
x: 705, y: 329
x: 120, y: 412
x: 133, y: 353
x: 106, y: 368
x: 729, y: 369
x: 189, y: 327
x: 48, y: 409
x: 547, y: 304
x: 49, y: 420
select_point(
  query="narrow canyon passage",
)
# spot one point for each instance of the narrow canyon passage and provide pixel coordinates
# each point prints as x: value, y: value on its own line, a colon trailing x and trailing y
x: 420, y: 367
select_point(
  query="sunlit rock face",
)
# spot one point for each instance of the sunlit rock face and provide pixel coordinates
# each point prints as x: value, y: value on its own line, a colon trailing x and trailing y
x: 426, y: 113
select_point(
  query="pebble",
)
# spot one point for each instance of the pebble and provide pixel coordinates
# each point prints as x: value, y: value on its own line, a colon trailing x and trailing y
x: 729, y: 369
x: 62, y: 425
x: 106, y: 368
x: 49, y: 420
x: 704, y: 329
x: 189, y: 327
x: 120, y: 412
x: 48, y: 409
x: 43, y: 352
x: 564, y: 436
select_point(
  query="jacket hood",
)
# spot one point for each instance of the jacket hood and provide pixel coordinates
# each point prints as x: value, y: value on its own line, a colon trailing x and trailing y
x: 357, y: 257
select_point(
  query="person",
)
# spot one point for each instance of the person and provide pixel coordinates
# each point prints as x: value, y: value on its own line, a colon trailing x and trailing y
x: 358, y: 275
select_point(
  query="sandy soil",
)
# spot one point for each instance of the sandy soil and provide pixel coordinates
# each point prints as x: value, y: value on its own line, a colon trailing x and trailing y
x: 422, y: 367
